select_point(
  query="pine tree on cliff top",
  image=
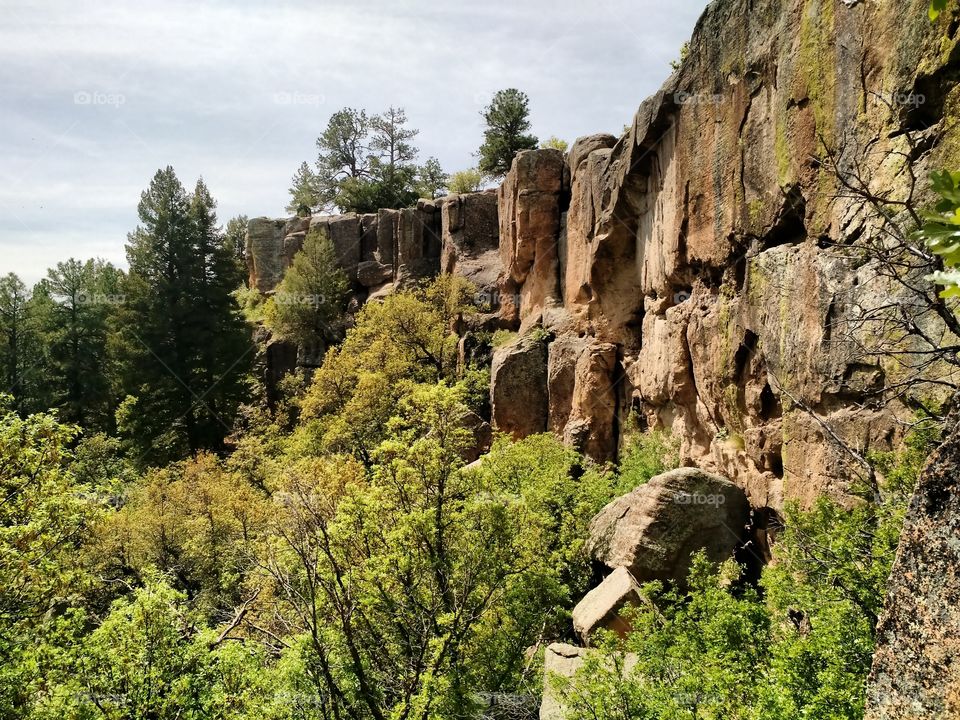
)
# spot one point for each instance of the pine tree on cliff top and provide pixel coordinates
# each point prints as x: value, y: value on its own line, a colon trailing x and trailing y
x: 508, y: 125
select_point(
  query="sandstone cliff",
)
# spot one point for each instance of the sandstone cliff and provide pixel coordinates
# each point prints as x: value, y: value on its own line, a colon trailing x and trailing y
x: 696, y: 274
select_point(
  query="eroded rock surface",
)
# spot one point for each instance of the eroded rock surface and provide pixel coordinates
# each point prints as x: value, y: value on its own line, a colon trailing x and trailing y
x: 654, y: 530
x: 916, y: 666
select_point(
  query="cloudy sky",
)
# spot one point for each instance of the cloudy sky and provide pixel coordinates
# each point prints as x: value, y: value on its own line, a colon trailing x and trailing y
x: 98, y: 94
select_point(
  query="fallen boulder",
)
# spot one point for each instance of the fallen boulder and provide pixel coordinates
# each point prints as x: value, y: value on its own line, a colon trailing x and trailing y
x: 654, y: 530
x: 600, y: 608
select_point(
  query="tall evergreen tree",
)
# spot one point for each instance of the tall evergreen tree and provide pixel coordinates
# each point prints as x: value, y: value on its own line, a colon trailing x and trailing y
x: 186, y: 346
x: 507, y: 133
x: 21, y: 352
x: 76, y: 304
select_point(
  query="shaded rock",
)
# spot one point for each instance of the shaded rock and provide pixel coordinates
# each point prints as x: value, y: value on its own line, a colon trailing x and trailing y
x: 418, y: 243
x: 916, y: 665
x: 471, y: 243
x: 654, y: 530
x: 264, y: 253
x: 482, y: 437
x: 600, y: 608
x: 344, y: 232
x: 518, y: 387
x: 371, y: 273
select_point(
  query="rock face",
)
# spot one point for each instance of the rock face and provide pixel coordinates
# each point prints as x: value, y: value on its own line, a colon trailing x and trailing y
x: 471, y: 243
x: 707, y: 243
x: 654, y: 530
x: 518, y: 387
x: 916, y: 666
x: 390, y: 247
x: 600, y: 608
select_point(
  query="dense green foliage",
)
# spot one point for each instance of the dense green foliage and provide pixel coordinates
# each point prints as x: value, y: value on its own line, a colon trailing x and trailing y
x: 507, y: 119
x: 797, y: 646
x: 365, y: 163
x: 329, y: 572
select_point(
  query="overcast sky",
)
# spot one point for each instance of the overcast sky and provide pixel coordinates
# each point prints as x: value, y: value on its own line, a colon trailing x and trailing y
x: 98, y: 94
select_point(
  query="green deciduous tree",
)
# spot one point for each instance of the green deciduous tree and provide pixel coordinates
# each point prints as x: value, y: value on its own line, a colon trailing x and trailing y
x: 555, y: 143
x: 45, y: 516
x: 508, y: 125
x: 309, y: 303
x: 465, y: 181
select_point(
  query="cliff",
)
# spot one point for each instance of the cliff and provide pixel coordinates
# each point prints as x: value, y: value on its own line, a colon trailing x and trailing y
x: 696, y: 274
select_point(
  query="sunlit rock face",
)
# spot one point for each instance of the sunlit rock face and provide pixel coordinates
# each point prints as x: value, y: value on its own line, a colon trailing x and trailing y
x: 708, y: 245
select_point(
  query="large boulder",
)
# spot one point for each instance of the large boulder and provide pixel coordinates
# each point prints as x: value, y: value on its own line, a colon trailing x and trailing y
x: 916, y: 666
x: 654, y: 530
x: 560, y: 662
x: 601, y: 608
x: 518, y: 386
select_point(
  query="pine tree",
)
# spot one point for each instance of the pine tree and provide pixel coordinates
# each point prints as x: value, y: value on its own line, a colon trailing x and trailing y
x: 76, y: 304
x: 308, y: 305
x: 21, y: 352
x: 508, y: 125
x: 186, y: 347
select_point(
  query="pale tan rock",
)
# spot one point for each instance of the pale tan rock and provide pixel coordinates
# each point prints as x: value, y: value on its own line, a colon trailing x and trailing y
x: 654, y: 530
x: 600, y: 609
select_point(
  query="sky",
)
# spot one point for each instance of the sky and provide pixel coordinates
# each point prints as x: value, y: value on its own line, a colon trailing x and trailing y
x: 96, y: 95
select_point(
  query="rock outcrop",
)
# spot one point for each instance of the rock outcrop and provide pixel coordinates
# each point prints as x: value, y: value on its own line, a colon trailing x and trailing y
x: 459, y: 232
x: 518, y: 387
x: 708, y: 244
x: 654, y: 530
x: 916, y: 666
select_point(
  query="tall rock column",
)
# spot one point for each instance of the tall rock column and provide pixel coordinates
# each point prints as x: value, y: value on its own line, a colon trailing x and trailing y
x: 532, y: 198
